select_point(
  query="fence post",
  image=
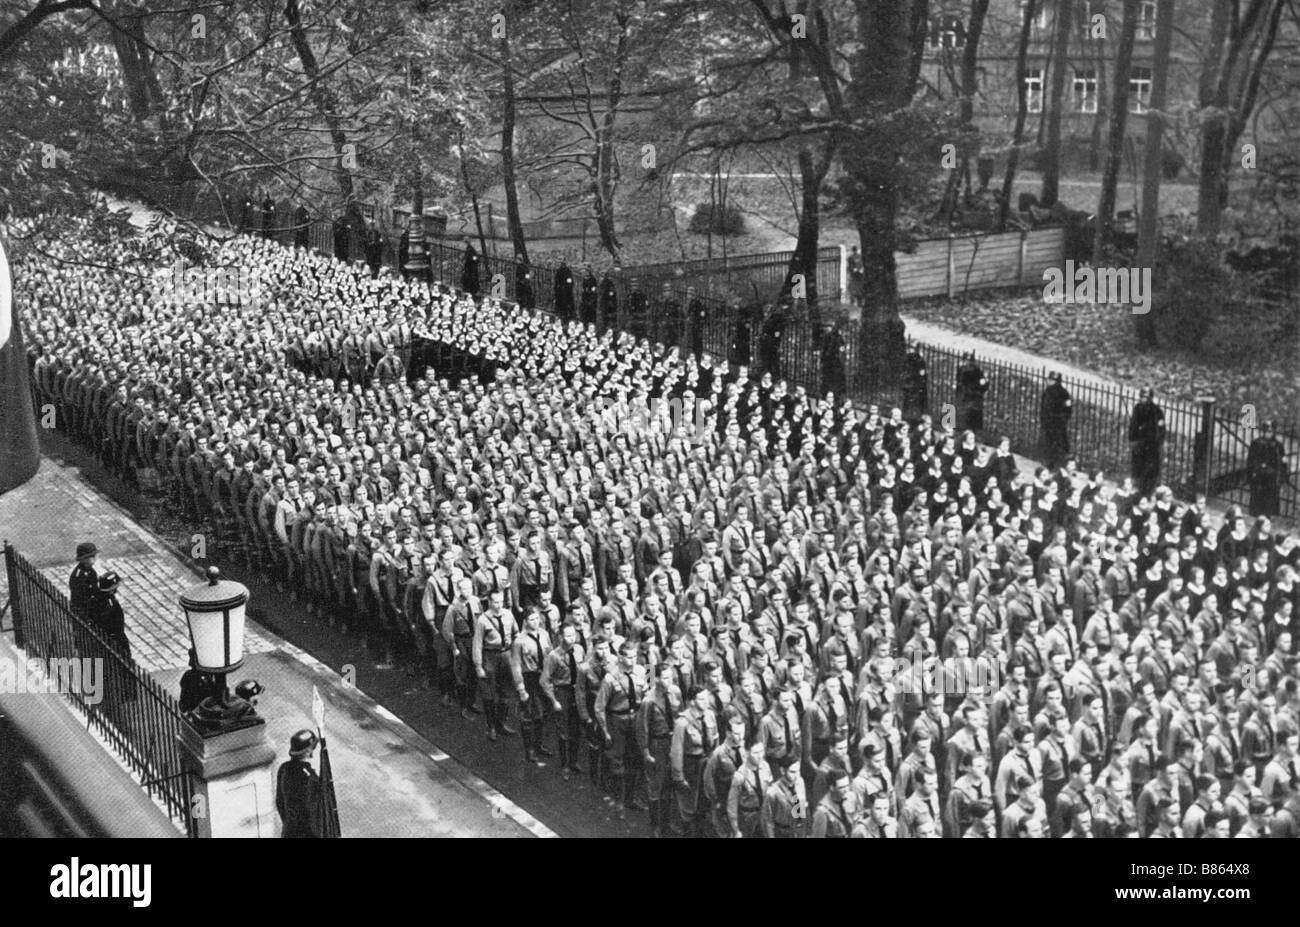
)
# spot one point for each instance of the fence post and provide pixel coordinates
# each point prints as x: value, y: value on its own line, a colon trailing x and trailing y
x: 1202, y: 451
x: 1024, y: 246
x: 950, y: 268
x: 844, y: 273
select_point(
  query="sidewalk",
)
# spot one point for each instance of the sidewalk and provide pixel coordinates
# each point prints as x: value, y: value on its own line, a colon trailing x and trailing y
x: 391, y: 781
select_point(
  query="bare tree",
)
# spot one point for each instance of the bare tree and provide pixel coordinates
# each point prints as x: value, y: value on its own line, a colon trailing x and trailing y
x: 1118, y: 126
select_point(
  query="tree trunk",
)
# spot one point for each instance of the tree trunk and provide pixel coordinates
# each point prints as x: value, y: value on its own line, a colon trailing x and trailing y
x: 324, y: 99
x: 884, y: 81
x: 1115, y: 143
x: 513, y: 221
x: 1099, y: 118
x: 1152, y: 167
x: 1055, y: 104
x: 1022, y: 113
x: 1214, y: 128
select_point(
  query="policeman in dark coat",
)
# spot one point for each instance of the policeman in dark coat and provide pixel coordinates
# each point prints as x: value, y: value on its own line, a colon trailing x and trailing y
x: 669, y: 319
x: 769, y: 346
x: 742, y: 338
x: 268, y: 217
x: 1054, y: 413
x: 1146, y: 438
x: 638, y: 311
x: 301, y: 227
x: 245, y: 212
x: 590, y: 289
x: 298, y: 791
x: 564, y: 292
x: 524, y: 286
x: 916, y: 385
x: 696, y: 320
x: 83, y: 584
x: 971, y: 387
x: 832, y: 350
x: 107, y: 615
x: 374, y: 250
x: 469, y: 276
x: 342, y: 238
x: 1266, y: 469
x: 608, y: 304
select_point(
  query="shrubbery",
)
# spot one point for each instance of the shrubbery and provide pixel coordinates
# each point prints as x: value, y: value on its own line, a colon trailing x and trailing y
x: 720, y: 220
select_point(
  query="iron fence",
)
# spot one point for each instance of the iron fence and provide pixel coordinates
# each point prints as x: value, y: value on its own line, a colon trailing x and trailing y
x: 138, y: 718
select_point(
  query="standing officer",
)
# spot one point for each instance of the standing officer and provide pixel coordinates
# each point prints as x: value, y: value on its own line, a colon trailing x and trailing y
x: 616, y: 705
x: 590, y: 288
x: 527, y: 660
x: 1054, y: 413
x: 695, y: 734
x: 301, y: 227
x: 83, y: 584
x: 268, y: 217
x: 494, y: 634
x: 832, y: 361
x: 1266, y: 469
x: 107, y: 615
x: 916, y: 385
x: 696, y: 320
x: 749, y: 784
x: 608, y: 304
x: 560, y: 683
x: 564, y: 292
x: 638, y: 311
x: 469, y: 281
x: 654, y: 734
x: 298, y: 794
x: 971, y: 387
x: 785, y: 805
x: 1146, y: 438
x: 669, y: 319
x: 524, y: 286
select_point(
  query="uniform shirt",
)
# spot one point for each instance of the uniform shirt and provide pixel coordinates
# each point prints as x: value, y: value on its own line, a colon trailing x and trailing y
x: 779, y: 735
x: 916, y: 811
x: 493, y: 633
x: 745, y: 793
x: 785, y: 810
x: 833, y: 817
x: 695, y: 733
x: 618, y: 695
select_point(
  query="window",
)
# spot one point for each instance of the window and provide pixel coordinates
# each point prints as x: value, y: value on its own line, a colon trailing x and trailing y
x: 947, y: 32
x: 1139, y: 90
x: 1146, y: 24
x: 1034, y: 89
x: 1085, y: 91
x: 1040, y: 14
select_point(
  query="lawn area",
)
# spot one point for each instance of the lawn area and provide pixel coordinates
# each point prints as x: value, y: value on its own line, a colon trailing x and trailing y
x: 1251, y: 358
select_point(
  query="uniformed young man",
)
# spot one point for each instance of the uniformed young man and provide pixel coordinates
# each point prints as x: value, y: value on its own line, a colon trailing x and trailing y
x: 298, y: 793
x: 785, y: 804
x: 750, y: 782
x: 527, y: 660
x: 695, y: 734
x: 836, y: 813
x: 494, y: 634
x: 615, y: 716
x: 560, y: 684
x: 727, y: 757
x: 655, y: 720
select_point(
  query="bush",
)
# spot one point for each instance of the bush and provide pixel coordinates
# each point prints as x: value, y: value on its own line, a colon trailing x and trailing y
x: 708, y: 218
x: 1191, y: 288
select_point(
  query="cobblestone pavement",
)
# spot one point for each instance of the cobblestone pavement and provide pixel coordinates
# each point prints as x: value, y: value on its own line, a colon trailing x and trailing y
x: 391, y: 781
x: 49, y: 515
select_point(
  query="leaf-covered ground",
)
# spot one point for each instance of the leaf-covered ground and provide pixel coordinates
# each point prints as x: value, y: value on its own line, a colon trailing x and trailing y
x: 1250, y: 358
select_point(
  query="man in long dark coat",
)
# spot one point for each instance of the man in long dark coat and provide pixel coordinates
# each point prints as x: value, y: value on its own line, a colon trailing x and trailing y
x: 1054, y: 413
x: 1146, y: 436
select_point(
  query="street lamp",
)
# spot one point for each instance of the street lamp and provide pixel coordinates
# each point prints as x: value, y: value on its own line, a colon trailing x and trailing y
x: 214, y: 612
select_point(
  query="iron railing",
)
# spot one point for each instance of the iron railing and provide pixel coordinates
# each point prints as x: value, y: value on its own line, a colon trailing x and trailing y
x: 138, y: 718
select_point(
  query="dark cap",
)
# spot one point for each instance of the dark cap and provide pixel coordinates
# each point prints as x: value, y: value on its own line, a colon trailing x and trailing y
x: 109, y: 581
x: 86, y: 549
x: 302, y: 743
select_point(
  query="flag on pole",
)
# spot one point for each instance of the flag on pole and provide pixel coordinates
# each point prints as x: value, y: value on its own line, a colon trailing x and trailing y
x: 329, y: 800
x: 20, y: 452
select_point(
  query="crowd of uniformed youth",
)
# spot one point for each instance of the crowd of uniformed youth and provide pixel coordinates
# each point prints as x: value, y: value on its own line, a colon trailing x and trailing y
x: 799, y: 619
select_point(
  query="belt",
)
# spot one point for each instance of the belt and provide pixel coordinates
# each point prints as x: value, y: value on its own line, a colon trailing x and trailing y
x: 621, y: 714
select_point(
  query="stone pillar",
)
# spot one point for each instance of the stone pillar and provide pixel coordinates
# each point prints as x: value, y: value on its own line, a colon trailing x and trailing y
x: 234, y: 795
